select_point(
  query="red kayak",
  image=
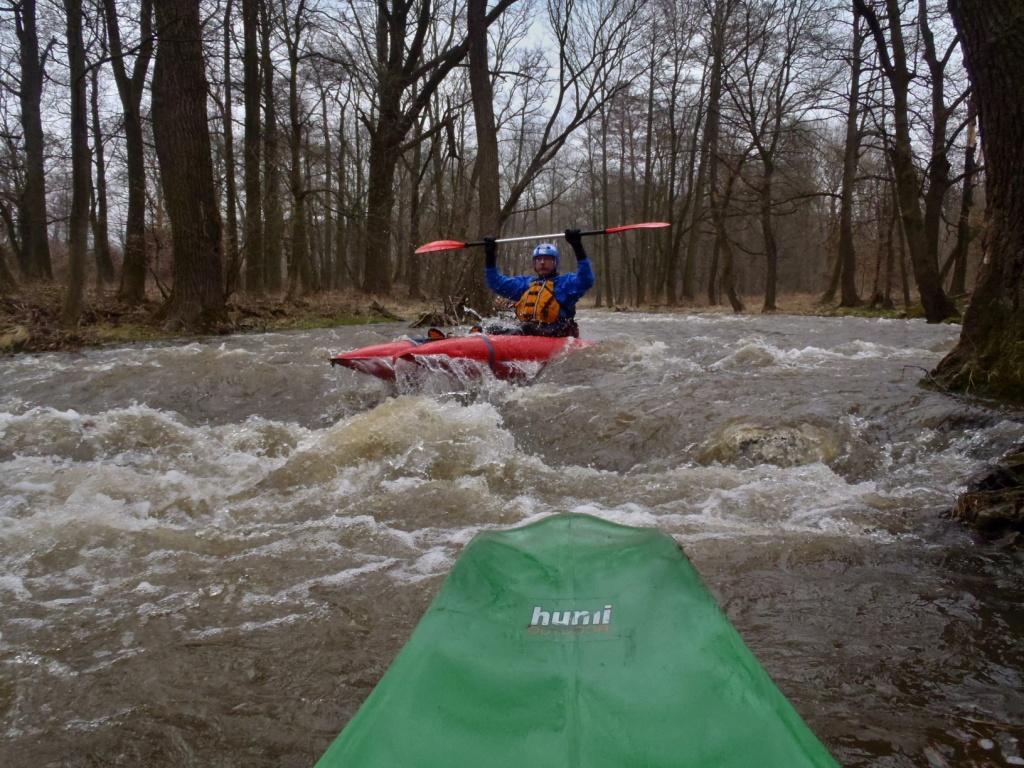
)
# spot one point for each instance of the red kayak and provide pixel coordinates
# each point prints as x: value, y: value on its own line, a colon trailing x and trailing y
x: 507, y: 357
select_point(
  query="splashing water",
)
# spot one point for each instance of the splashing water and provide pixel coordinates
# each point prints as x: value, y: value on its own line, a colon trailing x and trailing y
x: 209, y: 553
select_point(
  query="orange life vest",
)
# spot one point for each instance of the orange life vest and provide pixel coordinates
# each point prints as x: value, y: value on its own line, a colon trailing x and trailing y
x: 538, y: 304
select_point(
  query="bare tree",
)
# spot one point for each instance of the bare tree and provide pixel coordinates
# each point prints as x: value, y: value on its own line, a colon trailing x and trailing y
x: 777, y: 80
x: 35, y: 251
x: 255, y: 260
x: 273, y: 221
x: 100, y: 217
x: 234, y: 264
x: 958, y: 256
x: 130, y: 87
x: 851, y: 155
x: 396, y: 46
x: 488, y: 183
x: 81, y: 171
x: 896, y: 65
x: 989, y: 358
x: 295, y: 23
x: 182, y: 136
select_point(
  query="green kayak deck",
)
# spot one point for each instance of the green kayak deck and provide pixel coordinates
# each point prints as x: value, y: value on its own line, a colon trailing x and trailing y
x: 575, y: 642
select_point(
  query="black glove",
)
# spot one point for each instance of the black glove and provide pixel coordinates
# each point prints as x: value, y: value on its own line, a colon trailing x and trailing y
x: 573, y: 238
x: 490, y: 252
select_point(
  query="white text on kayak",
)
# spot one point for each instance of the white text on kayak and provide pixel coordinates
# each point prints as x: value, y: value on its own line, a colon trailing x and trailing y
x: 556, y: 619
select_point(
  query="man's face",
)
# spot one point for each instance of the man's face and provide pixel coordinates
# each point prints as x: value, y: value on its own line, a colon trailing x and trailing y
x: 544, y: 265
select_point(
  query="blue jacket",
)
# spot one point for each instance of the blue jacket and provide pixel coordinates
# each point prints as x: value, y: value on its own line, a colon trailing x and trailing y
x: 568, y: 288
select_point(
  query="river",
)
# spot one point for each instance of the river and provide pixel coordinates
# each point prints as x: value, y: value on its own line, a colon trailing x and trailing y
x: 210, y: 552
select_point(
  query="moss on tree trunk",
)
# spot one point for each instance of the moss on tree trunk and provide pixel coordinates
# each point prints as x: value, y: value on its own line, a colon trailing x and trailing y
x: 989, y: 358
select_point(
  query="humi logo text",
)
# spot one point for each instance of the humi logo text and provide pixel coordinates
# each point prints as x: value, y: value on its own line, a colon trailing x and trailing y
x: 572, y: 619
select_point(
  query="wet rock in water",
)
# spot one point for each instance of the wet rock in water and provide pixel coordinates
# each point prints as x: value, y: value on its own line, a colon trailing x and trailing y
x: 994, y: 499
x: 748, y: 445
x: 15, y: 339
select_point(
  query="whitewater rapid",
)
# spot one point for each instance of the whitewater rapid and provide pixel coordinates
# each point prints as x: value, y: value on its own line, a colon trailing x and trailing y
x: 209, y: 552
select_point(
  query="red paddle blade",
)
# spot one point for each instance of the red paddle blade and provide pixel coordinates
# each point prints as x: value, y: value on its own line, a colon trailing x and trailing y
x: 641, y: 225
x: 441, y: 245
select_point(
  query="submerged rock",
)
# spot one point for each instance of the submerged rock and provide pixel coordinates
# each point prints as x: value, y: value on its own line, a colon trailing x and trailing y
x: 784, y: 446
x: 994, y: 499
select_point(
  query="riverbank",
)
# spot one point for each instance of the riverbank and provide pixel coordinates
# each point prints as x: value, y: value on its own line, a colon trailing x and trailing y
x: 30, y: 318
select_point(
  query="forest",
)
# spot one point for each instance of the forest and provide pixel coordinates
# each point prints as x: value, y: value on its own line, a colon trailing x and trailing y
x: 191, y: 153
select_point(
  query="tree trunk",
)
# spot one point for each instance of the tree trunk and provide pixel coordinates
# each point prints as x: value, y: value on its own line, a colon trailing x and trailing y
x: 255, y: 259
x: 81, y: 171
x: 486, y: 137
x: 7, y: 281
x: 712, y: 135
x: 851, y: 152
x: 963, y: 231
x: 923, y: 260
x: 607, y: 281
x: 298, y: 266
x: 891, y: 215
x: 130, y: 89
x: 35, y: 251
x: 771, y: 247
x: 697, y: 193
x: 329, y: 270
x: 234, y: 266
x: 100, y: 230
x: 989, y: 358
x: 182, y: 136
x: 719, y: 207
x: 341, y: 267
x: 398, y: 46
x: 273, y: 221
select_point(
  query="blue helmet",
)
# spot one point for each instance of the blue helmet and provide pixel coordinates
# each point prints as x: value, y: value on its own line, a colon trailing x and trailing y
x: 546, y: 249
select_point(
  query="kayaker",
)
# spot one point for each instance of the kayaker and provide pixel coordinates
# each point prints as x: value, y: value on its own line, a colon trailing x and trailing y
x: 545, y: 304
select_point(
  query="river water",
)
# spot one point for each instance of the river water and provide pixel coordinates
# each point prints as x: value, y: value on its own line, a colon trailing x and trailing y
x: 210, y: 552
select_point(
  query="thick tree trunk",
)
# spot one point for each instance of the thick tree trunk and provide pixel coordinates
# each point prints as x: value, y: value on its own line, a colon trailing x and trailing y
x: 182, y: 136
x: 100, y: 229
x: 273, y: 219
x: 712, y: 132
x: 255, y: 259
x: 35, y: 251
x: 989, y: 359
x: 719, y: 208
x: 234, y: 263
x: 380, y: 201
x: 130, y: 89
x: 81, y: 172
x: 298, y: 266
x: 851, y: 153
x: 488, y: 180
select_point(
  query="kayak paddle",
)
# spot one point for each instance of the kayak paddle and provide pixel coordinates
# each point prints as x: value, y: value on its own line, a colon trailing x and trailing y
x: 455, y: 245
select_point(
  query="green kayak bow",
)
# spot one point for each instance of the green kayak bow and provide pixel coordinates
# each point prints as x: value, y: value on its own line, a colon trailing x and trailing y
x: 575, y: 642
